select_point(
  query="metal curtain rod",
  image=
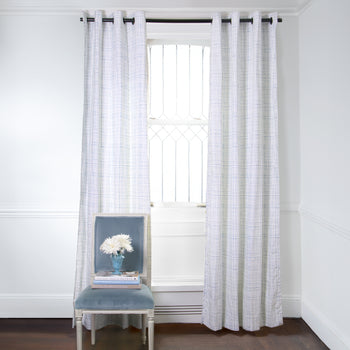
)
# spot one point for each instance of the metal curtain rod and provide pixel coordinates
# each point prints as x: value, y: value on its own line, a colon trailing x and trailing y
x: 182, y: 20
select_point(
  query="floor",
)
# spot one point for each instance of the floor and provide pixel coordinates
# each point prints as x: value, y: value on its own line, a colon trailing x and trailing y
x: 57, y: 334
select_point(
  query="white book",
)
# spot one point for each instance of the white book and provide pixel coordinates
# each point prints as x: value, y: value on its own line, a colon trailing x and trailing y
x: 117, y: 281
x: 117, y: 286
x: 108, y: 276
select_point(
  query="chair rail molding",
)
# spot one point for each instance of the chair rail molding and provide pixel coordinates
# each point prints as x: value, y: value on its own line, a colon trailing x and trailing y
x: 289, y: 207
x: 38, y: 214
x: 315, y: 217
x: 23, y: 210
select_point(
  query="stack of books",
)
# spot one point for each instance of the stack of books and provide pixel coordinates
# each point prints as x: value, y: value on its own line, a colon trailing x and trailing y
x: 128, y: 280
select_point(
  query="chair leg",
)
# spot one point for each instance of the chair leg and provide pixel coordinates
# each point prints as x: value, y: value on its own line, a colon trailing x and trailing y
x: 79, y: 330
x: 144, y: 320
x: 93, y: 329
x: 151, y: 330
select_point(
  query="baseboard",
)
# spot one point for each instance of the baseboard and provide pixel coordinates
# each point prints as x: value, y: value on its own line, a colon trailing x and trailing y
x: 291, y: 306
x: 173, y: 305
x: 324, y: 328
x: 36, y: 306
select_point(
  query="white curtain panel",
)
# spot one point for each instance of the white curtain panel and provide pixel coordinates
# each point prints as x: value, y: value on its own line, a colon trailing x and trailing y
x: 114, y: 171
x: 242, y: 263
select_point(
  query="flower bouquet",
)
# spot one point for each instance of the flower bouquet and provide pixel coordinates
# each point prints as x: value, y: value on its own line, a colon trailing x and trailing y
x: 116, y: 246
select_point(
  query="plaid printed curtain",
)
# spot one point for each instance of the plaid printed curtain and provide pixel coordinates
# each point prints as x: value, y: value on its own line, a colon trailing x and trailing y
x: 114, y: 169
x: 242, y: 263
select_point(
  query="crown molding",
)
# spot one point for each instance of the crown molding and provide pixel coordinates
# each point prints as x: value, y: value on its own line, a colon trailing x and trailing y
x: 183, y: 8
x: 302, y: 8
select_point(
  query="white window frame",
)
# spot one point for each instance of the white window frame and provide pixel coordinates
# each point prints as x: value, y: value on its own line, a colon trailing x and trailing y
x: 178, y: 222
x: 186, y: 34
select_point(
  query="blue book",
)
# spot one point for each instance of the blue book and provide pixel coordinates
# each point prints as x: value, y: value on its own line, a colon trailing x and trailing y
x: 137, y: 281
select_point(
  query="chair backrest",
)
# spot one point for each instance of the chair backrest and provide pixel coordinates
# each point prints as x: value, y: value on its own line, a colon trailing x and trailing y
x: 134, y: 225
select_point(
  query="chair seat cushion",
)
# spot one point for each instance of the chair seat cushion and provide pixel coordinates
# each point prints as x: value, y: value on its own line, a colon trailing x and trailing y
x: 115, y: 299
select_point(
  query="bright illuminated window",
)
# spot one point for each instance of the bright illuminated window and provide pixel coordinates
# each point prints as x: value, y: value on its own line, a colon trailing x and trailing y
x: 178, y: 122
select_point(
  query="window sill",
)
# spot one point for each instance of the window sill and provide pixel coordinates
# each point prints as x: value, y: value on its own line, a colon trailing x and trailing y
x: 177, y: 205
x: 184, y: 287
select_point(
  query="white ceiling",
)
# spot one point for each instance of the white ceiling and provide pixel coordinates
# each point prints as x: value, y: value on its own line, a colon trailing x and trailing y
x: 190, y: 6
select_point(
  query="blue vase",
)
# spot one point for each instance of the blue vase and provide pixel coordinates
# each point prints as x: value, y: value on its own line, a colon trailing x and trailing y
x: 117, y: 262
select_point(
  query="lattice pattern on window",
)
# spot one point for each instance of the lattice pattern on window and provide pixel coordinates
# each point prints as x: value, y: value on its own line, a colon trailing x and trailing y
x: 178, y: 122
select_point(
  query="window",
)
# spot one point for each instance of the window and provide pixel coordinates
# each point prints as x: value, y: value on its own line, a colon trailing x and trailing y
x: 178, y: 122
x: 178, y: 133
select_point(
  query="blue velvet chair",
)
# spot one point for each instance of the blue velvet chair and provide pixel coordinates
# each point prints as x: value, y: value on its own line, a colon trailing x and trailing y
x: 119, y: 301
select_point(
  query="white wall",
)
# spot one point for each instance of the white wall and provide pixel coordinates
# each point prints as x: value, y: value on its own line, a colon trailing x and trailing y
x: 41, y: 89
x: 288, y: 99
x: 325, y: 169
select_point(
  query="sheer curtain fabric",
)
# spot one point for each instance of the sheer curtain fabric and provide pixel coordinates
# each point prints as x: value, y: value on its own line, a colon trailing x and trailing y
x: 242, y: 263
x: 114, y: 170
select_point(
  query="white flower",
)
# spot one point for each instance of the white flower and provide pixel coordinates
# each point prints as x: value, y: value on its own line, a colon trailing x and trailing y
x: 109, y: 247
x: 117, y: 244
